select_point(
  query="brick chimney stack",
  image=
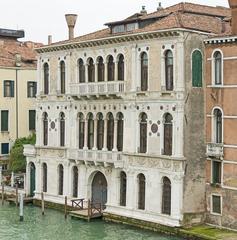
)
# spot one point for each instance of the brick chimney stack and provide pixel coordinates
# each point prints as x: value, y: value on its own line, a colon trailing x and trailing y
x: 71, y: 22
x: 233, y: 6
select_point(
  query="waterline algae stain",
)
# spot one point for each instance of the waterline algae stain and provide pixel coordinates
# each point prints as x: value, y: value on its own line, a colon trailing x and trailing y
x: 53, y: 226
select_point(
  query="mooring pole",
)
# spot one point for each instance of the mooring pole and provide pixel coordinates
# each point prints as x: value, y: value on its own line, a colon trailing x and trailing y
x: 65, y: 207
x: 42, y: 203
x: 16, y: 194
x: 2, y: 194
x: 21, y: 207
x: 12, y: 180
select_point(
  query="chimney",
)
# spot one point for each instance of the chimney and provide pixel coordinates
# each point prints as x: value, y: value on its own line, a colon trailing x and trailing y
x: 233, y: 6
x: 159, y: 6
x: 143, y: 11
x: 49, y: 39
x: 18, y: 60
x: 71, y: 22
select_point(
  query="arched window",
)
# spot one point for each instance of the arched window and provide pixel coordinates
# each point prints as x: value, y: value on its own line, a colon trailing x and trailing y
x: 62, y: 129
x: 168, y: 134
x: 120, y: 133
x: 91, y: 70
x: 110, y: 68
x: 141, y: 191
x: 45, y: 129
x: 46, y: 78
x: 60, y: 179
x: 75, y: 181
x: 121, y: 68
x: 81, y: 131
x: 123, y: 188
x: 144, y: 72
x: 100, y: 131
x: 110, y: 133
x: 218, y: 126
x: 62, y: 77
x: 45, y: 177
x: 143, y: 133
x: 166, y: 196
x: 101, y: 70
x: 90, y: 143
x: 169, y: 71
x: 81, y: 71
x: 218, y: 68
x: 197, y: 68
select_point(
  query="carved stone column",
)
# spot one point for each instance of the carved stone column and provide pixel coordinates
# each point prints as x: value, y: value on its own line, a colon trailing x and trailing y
x: 116, y: 71
x: 95, y: 134
x: 86, y: 135
x: 115, y: 135
x: 105, y: 134
x: 86, y: 73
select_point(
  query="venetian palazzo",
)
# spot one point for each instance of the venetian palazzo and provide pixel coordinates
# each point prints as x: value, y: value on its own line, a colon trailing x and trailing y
x: 120, y: 116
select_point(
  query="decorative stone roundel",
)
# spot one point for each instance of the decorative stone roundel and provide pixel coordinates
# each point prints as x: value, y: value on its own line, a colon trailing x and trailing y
x: 52, y: 124
x: 154, y: 128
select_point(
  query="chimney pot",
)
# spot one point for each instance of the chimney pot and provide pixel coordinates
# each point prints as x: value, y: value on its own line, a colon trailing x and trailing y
x: 159, y: 6
x: 71, y: 22
x: 233, y: 6
x: 49, y: 39
x: 143, y: 11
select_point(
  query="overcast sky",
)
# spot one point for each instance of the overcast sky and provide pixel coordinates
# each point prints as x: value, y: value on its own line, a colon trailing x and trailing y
x: 44, y: 17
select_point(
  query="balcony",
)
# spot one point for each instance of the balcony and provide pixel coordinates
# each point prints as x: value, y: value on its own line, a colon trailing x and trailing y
x: 215, y: 150
x: 29, y: 150
x: 97, y: 158
x: 97, y: 89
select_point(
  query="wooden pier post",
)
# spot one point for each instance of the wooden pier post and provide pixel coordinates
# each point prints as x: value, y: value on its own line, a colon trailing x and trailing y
x: 42, y: 202
x: 65, y: 207
x: 3, y: 194
x: 21, y: 207
x: 16, y: 194
x: 89, y: 210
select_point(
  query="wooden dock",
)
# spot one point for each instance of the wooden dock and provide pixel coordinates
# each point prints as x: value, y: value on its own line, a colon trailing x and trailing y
x: 85, y: 210
x: 12, y: 200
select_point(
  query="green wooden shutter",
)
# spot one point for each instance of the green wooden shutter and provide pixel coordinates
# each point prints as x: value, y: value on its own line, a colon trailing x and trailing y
x: 4, y: 120
x: 197, y: 69
x: 12, y: 88
x: 31, y: 120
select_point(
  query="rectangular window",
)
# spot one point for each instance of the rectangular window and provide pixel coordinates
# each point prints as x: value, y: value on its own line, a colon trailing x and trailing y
x: 32, y: 120
x: 216, y: 204
x: 118, y: 29
x: 8, y: 88
x: 31, y: 89
x: 216, y: 172
x: 4, y: 120
x: 5, y: 148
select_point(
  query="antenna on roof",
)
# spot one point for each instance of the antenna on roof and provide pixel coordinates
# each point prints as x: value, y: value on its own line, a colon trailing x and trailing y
x: 159, y: 6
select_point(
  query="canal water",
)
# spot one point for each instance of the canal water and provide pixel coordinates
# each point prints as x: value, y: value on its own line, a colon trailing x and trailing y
x: 53, y: 226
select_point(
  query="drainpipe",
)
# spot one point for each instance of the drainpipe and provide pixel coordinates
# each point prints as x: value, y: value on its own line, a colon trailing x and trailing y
x: 17, y: 103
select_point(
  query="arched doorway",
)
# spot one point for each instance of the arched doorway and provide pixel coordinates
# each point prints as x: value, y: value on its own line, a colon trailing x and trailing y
x: 99, y: 189
x: 32, y: 179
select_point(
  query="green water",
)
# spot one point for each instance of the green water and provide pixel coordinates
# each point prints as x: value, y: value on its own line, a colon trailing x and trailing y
x: 53, y: 226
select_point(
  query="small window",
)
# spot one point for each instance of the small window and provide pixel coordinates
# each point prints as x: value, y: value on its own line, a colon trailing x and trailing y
x: 218, y: 68
x: 91, y: 71
x: 141, y: 191
x: 31, y: 89
x: 143, y: 133
x: 46, y: 78
x: 8, y: 88
x: 118, y: 29
x: 216, y: 172
x: 169, y: 71
x: 197, y: 69
x: 121, y: 68
x: 218, y: 126
x: 111, y: 69
x: 62, y: 77
x: 110, y: 132
x: 81, y: 68
x: 45, y: 177
x: 4, y: 120
x: 5, y: 148
x: 90, y: 131
x: 62, y: 129
x: 216, y: 204
x: 60, y: 179
x: 32, y: 120
x: 144, y: 72
x: 45, y: 129
x: 101, y: 69
x: 81, y: 131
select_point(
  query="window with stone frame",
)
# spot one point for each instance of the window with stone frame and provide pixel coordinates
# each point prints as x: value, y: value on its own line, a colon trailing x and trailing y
x: 75, y: 181
x: 169, y: 71
x: 168, y: 134
x: 121, y: 68
x: 45, y: 129
x: 166, y: 196
x: 8, y: 88
x: 81, y: 71
x: 218, y: 126
x: 62, y: 129
x: 141, y: 191
x: 123, y: 188
x: 81, y: 131
x: 100, y: 131
x: 120, y: 132
x: 62, y: 77
x: 110, y: 132
x: 31, y: 89
x: 218, y: 68
x: 46, y: 78
x: 45, y: 177
x: 216, y: 204
x: 197, y: 69
x: 143, y: 133
x: 90, y: 142
x: 60, y: 179
x: 216, y: 172
x: 4, y: 120
x: 111, y: 68
x: 91, y: 71
x: 101, y: 70
x: 144, y: 72
x: 32, y: 115
x: 4, y: 148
